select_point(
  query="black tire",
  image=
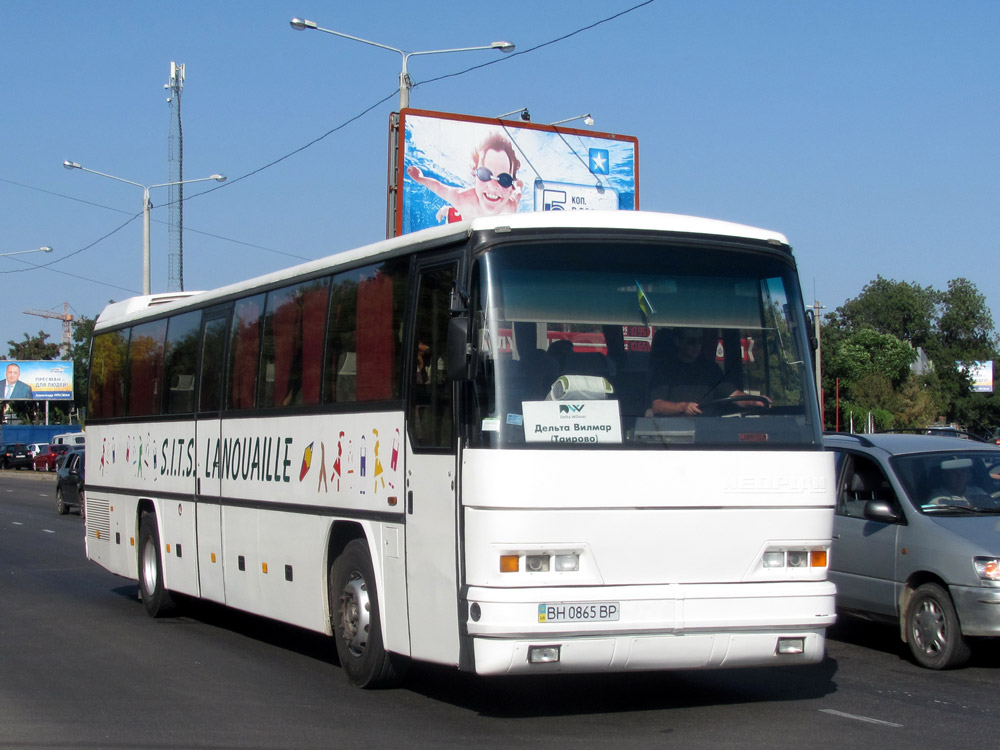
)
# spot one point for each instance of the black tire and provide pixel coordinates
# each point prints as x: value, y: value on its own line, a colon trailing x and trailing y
x: 155, y: 598
x: 356, y: 620
x: 933, y: 631
x: 61, y: 507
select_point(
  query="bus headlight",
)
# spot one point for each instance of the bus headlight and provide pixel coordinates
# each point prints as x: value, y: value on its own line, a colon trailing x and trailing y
x: 554, y: 561
x: 537, y: 563
x: 779, y: 557
x: 567, y: 563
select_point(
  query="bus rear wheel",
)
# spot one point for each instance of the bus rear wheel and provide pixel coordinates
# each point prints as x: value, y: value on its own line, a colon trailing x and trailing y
x: 155, y: 597
x: 356, y: 620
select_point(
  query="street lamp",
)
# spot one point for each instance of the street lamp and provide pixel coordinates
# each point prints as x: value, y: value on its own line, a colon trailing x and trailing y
x: 587, y: 120
x: 146, y: 205
x: 405, y: 84
x: 43, y: 249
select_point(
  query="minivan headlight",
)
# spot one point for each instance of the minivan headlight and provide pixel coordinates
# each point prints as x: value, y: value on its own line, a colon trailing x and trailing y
x: 987, y: 568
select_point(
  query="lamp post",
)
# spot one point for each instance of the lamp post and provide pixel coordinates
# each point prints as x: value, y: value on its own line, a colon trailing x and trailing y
x: 146, y: 205
x: 587, y: 120
x: 405, y: 84
x: 43, y: 249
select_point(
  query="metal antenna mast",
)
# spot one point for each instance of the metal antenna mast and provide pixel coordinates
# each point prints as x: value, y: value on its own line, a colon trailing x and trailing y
x: 175, y: 279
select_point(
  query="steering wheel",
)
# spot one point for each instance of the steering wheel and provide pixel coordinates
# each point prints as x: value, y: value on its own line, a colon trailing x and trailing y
x: 719, y: 404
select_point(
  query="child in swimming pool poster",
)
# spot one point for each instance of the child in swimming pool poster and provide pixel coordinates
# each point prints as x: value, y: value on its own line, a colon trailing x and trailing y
x: 455, y: 167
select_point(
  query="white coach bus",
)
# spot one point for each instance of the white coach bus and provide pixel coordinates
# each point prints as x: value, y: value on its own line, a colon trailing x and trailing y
x: 444, y: 447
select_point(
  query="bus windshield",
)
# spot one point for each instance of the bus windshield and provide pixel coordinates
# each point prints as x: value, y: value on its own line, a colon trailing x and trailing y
x: 647, y: 343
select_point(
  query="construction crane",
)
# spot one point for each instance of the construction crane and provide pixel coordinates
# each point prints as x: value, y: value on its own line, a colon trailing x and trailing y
x: 66, y: 318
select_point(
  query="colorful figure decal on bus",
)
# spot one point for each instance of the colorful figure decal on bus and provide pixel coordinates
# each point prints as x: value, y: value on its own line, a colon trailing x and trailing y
x: 322, y: 469
x: 307, y: 456
x: 336, y: 461
x: 378, y: 464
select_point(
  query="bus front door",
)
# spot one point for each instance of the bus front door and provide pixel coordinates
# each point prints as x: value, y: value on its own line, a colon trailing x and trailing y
x: 431, y: 492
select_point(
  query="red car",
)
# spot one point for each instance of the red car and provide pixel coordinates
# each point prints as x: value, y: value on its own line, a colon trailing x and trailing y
x: 47, y: 458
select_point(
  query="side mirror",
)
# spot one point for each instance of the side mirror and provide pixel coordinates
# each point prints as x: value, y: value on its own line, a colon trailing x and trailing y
x: 458, y: 349
x: 811, y: 330
x: 880, y: 510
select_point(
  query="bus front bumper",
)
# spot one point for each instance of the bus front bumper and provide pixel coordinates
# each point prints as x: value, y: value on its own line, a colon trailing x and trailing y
x: 643, y: 628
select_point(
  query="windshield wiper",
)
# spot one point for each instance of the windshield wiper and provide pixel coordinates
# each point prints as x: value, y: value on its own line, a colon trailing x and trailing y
x: 950, y: 508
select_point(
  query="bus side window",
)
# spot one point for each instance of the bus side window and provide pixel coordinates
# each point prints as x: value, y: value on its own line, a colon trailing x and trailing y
x: 107, y: 375
x: 213, y: 351
x: 431, y: 391
x: 145, y: 368
x: 181, y: 361
x: 292, y: 344
x: 363, y: 333
x: 244, y: 352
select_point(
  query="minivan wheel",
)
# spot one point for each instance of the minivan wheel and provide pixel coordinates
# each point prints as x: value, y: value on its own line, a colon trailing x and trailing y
x: 933, y: 631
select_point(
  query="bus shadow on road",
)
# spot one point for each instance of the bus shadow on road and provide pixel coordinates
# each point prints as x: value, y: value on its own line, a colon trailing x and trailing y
x: 562, y: 695
x: 543, y: 695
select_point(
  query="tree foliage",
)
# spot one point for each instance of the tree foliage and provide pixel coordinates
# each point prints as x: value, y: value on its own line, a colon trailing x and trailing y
x: 870, y: 342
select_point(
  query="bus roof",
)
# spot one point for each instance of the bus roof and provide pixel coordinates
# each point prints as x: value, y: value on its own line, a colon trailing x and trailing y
x: 120, y: 312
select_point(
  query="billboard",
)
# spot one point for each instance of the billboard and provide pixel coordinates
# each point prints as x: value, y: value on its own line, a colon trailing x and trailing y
x: 452, y: 167
x: 41, y: 380
x: 981, y: 375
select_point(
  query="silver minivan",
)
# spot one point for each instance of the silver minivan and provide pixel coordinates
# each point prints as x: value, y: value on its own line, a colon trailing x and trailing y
x: 916, y: 538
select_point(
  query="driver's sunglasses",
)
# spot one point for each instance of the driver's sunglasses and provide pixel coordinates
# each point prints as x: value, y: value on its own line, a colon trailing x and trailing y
x: 485, y: 175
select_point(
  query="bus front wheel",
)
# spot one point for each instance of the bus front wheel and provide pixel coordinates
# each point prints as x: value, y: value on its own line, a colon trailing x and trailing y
x: 155, y: 597
x: 356, y: 621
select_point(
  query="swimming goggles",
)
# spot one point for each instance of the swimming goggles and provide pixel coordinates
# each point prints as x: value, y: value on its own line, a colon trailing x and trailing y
x: 485, y: 175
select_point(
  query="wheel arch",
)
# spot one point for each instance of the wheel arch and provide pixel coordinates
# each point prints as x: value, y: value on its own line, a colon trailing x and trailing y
x: 913, y: 582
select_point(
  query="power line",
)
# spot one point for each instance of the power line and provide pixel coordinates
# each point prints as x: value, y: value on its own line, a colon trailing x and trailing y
x: 158, y: 221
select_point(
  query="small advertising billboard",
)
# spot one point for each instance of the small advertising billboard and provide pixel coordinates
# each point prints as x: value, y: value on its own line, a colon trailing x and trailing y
x: 981, y: 375
x: 37, y: 380
x: 452, y: 167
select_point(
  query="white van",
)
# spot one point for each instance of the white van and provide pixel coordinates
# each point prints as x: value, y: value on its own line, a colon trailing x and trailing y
x: 70, y: 438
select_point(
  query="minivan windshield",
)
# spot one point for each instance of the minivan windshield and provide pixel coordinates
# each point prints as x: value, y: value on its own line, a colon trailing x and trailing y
x: 954, y: 482
x: 599, y: 343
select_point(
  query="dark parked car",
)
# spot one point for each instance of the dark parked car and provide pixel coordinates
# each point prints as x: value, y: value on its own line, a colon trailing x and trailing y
x: 917, y: 539
x: 47, y: 459
x: 15, y: 456
x: 70, y: 483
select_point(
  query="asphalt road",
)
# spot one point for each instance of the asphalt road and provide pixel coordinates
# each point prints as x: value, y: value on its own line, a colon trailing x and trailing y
x: 82, y: 666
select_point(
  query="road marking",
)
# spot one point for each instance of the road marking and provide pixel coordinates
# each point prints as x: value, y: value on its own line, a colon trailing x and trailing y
x: 859, y: 718
x: 48, y: 531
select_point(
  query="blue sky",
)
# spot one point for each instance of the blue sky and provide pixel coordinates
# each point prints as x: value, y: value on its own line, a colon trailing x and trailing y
x: 865, y: 131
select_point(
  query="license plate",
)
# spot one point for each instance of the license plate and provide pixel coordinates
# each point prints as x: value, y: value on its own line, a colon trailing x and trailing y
x: 572, y: 612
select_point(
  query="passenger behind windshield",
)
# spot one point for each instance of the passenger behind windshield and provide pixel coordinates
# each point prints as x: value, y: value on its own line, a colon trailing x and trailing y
x: 682, y: 381
x: 954, y: 488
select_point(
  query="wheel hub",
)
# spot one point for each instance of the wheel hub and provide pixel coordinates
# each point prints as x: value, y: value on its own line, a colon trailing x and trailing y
x: 929, y: 628
x: 355, y: 614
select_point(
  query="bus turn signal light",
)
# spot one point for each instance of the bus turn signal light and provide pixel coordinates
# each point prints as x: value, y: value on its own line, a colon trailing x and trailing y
x: 510, y: 563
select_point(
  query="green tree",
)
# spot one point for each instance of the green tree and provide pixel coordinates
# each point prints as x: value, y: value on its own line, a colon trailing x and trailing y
x: 955, y: 329
x: 33, y: 347
x: 83, y: 332
x: 906, y: 311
